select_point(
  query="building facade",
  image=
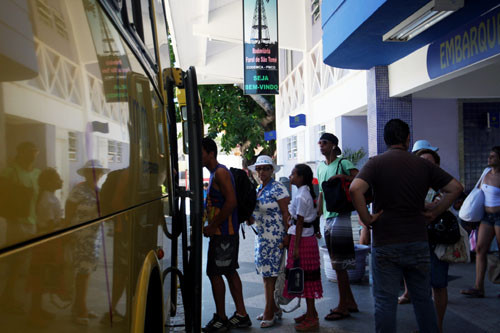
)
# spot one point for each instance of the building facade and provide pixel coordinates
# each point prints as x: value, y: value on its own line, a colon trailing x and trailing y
x: 442, y: 81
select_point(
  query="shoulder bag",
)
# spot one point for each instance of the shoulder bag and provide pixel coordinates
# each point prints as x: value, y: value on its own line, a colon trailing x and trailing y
x: 455, y: 253
x: 279, y: 299
x: 295, y: 279
x: 472, y: 209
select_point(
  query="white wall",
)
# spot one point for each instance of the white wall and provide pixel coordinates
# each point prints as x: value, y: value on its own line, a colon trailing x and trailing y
x: 353, y: 133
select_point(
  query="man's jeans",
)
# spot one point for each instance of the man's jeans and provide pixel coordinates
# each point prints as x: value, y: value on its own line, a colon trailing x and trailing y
x: 389, y: 264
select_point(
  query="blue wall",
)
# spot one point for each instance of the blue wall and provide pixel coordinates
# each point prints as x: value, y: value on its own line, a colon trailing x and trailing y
x: 436, y: 120
x: 478, y: 139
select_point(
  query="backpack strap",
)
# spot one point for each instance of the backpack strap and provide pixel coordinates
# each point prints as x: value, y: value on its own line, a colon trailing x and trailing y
x: 341, y: 167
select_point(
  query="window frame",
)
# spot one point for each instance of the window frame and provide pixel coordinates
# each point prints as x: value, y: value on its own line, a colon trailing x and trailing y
x: 291, y: 147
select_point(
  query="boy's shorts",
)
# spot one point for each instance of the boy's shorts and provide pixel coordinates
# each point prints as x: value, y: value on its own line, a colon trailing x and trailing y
x: 222, y: 255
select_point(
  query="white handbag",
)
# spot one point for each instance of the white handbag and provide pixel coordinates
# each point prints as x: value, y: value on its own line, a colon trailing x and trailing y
x: 455, y: 253
x: 472, y: 209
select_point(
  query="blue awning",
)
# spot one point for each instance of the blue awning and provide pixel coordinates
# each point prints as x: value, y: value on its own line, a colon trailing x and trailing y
x: 353, y: 29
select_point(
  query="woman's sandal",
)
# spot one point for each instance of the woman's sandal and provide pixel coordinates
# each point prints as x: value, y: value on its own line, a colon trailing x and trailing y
x: 308, y: 324
x: 300, y: 319
x: 472, y: 292
x: 404, y: 300
x: 278, y: 315
x: 268, y: 323
x: 336, y: 315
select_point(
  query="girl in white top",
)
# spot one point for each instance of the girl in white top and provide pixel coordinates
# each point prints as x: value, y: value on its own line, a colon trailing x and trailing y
x: 490, y: 224
x: 304, y: 245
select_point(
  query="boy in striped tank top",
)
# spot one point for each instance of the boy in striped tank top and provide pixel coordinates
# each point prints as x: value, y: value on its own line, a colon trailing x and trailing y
x: 222, y: 229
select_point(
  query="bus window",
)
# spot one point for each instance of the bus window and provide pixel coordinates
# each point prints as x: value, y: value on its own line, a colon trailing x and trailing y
x: 161, y: 28
x: 138, y: 13
x: 147, y: 26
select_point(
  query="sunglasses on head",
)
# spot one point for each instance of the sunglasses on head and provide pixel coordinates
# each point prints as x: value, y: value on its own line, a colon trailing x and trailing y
x: 263, y: 168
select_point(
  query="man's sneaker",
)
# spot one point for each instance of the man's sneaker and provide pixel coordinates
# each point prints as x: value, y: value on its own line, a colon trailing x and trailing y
x: 237, y: 321
x: 217, y: 324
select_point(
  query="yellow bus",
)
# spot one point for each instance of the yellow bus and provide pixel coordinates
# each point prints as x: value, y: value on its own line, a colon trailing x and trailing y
x: 92, y: 217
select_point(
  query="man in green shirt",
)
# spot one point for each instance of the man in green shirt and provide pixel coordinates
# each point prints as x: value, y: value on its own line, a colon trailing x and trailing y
x: 20, y: 181
x: 338, y: 229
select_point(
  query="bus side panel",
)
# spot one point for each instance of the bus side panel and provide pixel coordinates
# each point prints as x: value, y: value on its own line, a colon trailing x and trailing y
x: 62, y: 276
x: 75, y: 106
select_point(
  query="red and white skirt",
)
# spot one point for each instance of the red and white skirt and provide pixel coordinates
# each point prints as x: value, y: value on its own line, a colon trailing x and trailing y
x: 310, y: 263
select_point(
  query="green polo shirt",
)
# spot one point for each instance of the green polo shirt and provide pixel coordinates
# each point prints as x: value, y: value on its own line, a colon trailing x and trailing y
x: 324, y: 173
x: 28, y: 179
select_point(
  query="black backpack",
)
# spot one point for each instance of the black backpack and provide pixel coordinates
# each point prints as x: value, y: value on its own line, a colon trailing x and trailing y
x: 444, y: 230
x: 246, y: 194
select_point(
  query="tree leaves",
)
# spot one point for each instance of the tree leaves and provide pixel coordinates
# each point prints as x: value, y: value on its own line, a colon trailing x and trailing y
x: 238, y: 117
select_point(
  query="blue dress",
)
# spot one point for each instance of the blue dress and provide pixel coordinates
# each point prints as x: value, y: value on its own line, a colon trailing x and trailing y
x: 270, y: 228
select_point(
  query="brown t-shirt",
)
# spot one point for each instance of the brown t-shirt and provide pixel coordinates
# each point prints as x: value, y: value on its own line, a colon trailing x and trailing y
x: 400, y: 181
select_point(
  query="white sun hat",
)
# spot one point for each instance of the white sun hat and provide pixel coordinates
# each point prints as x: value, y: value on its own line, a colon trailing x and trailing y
x: 92, y: 164
x: 264, y: 160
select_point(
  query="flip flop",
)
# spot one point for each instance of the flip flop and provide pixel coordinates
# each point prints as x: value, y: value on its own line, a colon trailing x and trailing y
x: 403, y: 300
x: 353, y: 310
x: 336, y: 315
x: 472, y: 292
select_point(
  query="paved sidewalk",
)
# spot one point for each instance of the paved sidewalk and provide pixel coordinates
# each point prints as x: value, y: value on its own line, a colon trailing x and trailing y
x: 463, y: 314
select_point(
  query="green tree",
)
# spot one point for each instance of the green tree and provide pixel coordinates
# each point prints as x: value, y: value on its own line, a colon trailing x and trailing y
x: 241, y: 119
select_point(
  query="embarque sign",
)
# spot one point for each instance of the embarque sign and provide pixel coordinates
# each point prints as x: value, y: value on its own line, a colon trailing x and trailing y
x: 260, y: 42
x: 469, y: 44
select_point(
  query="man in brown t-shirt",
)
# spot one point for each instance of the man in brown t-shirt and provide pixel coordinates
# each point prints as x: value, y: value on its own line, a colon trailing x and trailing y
x: 400, y: 181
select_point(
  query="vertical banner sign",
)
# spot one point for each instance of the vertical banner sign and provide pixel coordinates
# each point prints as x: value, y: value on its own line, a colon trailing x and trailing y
x: 260, y: 42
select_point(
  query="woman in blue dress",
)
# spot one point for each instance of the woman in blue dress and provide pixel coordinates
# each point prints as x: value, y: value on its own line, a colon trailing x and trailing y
x: 271, y: 220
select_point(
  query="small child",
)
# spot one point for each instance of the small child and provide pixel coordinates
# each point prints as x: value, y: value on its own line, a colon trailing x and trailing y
x: 47, y: 264
x: 304, y: 245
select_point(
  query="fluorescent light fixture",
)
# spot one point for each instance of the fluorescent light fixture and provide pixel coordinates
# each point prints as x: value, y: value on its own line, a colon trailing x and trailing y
x: 422, y: 19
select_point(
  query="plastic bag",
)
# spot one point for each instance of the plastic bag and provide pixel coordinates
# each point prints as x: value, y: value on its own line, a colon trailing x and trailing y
x: 473, y: 240
x: 455, y: 253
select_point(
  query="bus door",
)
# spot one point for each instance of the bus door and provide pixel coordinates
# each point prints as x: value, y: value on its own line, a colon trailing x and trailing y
x: 192, y: 238
x: 145, y: 174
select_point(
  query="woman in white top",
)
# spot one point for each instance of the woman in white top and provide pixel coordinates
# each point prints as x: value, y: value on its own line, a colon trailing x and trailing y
x: 304, y: 245
x: 490, y: 225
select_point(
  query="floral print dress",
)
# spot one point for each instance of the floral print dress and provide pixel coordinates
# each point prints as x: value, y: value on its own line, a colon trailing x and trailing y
x: 87, y: 241
x: 270, y: 228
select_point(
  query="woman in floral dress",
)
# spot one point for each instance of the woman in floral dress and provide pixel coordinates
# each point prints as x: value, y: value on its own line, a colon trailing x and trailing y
x: 82, y: 206
x: 271, y: 220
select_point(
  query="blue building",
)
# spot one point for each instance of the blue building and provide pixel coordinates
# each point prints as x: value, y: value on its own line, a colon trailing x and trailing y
x: 433, y: 64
